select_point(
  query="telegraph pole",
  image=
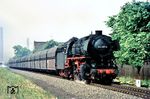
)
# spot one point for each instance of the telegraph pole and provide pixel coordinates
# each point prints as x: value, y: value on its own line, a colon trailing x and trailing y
x: 28, y: 43
x: 133, y: 0
x: 1, y: 46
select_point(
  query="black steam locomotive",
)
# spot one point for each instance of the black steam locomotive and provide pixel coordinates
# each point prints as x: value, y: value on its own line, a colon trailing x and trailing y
x: 89, y: 58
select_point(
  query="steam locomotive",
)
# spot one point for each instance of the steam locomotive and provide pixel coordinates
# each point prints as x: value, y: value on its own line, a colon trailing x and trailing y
x: 89, y: 59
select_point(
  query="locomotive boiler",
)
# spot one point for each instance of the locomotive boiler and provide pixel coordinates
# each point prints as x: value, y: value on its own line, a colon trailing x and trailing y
x: 87, y: 59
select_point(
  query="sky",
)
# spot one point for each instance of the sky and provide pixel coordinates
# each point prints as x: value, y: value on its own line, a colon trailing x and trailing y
x: 43, y: 20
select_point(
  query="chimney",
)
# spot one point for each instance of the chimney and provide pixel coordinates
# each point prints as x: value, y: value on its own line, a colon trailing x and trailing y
x: 98, y: 32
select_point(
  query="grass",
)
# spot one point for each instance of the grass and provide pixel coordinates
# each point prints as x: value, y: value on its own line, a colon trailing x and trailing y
x: 145, y: 83
x: 27, y: 90
x: 126, y: 80
x: 131, y: 81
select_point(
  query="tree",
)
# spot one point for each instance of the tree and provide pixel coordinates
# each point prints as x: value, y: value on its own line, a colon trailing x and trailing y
x: 131, y: 26
x: 51, y: 44
x: 20, y: 51
x: 47, y: 45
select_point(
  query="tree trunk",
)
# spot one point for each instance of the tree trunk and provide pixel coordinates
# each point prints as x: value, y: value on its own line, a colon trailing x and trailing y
x: 138, y: 72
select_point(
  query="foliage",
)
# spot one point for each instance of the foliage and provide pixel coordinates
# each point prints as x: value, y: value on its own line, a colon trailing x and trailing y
x: 145, y: 83
x: 131, y: 26
x: 51, y: 44
x: 126, y: 80
x: 21, y: 51
x: 48, y: 44
x: 131, y: 81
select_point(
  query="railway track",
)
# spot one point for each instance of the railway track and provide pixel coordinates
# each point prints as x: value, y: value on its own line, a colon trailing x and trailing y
x: 139, y: 92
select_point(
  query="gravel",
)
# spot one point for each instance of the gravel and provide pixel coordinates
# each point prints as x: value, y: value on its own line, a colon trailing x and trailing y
x: 64, y: 89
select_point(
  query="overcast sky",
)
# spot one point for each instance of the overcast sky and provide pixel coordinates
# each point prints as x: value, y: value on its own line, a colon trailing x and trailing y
x: 42, y: 20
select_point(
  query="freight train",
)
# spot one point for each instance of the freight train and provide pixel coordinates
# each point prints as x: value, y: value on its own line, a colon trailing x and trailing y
x: 87, y: 59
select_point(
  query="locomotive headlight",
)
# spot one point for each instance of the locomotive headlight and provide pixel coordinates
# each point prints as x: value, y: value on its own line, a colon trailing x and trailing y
x: 93, y: 65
